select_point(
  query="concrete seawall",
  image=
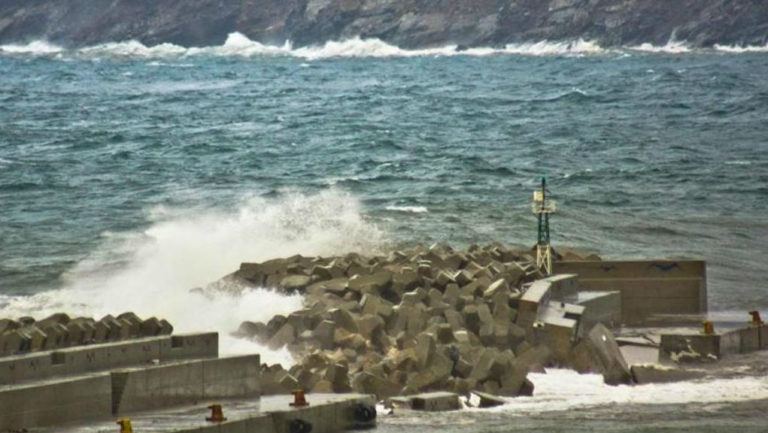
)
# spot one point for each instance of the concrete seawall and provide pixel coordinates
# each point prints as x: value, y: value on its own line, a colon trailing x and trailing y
x: 649, y: 289
x: 94, y: 382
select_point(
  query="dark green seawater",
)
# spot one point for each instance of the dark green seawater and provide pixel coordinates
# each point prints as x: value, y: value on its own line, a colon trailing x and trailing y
x: 129, y: 175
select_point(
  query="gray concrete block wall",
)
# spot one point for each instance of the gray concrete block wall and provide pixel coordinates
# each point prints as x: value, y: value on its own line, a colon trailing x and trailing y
x: 55, y: 402
x: 564, y: 287
x: 17, y: 368
x: 187, y: 346
x: 235, y: 376
x: 336, y: 418
x: 81, y: 359
x: 749, y: 339
x: 99, y: 357
x: 647, y: 287
x: 633, y: 269
x: 601, y: 307
x: 138, y: 389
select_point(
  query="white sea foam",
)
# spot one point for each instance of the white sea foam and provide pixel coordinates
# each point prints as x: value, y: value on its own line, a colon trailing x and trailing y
x: 33, y: 48
x: 671, y: 47
x: 545, y: 48
x: 239, y: 45
x: 559, y: 390
x: 151, y: 272
x: 408, y: 209
x: 739, y: 49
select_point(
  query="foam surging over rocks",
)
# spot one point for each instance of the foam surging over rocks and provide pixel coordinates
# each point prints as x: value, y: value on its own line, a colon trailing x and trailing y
x: 415, y: 320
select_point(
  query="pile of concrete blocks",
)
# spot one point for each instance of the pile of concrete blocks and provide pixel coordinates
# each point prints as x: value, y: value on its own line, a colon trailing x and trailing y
x: 58, y: 331
x: 425, y: 319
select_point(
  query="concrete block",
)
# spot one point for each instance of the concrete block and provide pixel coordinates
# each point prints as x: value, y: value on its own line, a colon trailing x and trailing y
x: 606, y: 353
x: 643, y: 374
x: 237, y: 376
x: 18, y: 368
x: 186, y: 346
x: 324, y: 416
x: 83, y: 359
x: 763, y: 337
x: 647, y: 288
x: 633, y: 269
x: 435, y: 401
x: 138, y: 389
x: 749, y: 339
x: 564, y: 287
x: 156, y: 387
x: 698, y: 347
x: 532, y: 302
x: 600, y: 307
x: 53, y: 403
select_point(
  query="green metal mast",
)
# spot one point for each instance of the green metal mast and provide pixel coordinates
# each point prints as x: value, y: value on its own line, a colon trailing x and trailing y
x: 542, y: 207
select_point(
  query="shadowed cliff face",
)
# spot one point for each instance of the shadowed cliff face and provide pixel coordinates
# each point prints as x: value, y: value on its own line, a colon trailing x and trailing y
x: 407, y: 23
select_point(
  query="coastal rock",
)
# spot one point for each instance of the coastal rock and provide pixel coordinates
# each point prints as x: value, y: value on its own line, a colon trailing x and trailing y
x: 404, y: 23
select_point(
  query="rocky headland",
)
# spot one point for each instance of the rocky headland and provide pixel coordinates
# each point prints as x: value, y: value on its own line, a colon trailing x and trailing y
x: 408, y: 23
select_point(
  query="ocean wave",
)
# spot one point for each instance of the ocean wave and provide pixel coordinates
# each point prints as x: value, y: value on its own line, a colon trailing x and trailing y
x: 151, y: 272
x: 239, y: 45
x: 567, y: 390
x: 740, y: 49
x: 33, y: 48
x: 408, y: 209
x: 671, y: 47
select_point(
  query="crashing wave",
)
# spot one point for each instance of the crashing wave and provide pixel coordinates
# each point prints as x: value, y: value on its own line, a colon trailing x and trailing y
x: 671, y: 47
x: 39, y: 48
x: 739, y: 49
x: 239, y: 45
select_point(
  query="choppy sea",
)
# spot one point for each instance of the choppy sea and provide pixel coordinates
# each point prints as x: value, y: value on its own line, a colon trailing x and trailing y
x: 131, y: 174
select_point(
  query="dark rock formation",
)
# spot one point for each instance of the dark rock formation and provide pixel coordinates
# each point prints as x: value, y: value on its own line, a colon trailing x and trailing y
x: 406, y: 23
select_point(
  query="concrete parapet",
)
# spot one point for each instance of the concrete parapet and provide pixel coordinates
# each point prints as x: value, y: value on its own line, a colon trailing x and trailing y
x: 707, y: 347
x: 55, y: 402
x: 564, y: 287
x: 600, y: 307
x: 82, y: 359
x: 15, y: 369
x: 187, y: 346
x: 621, y: 269
x: 647, y: 288
x: 236, y: 376
x: 323, y: 417
x: 327, y: 413
x: 139, y: 389
x: 435, y: 401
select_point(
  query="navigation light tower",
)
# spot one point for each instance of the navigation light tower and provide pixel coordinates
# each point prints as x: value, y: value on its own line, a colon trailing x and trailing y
x: 542, y: 207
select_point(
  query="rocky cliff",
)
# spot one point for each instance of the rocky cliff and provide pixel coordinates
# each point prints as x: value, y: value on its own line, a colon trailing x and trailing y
x: 406, y: 23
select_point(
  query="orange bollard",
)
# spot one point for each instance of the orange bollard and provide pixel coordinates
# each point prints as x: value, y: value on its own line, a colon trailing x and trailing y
x: 217, y: 414
x: 756, y: 317
x: 299, y: 399
x: 709, y: 327
x: 125, y: 425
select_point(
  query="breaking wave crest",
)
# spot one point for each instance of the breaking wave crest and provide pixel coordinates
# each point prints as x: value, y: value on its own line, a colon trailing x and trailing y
x: 238, y: 45
x: 151, y: 272
x: 561, y: 390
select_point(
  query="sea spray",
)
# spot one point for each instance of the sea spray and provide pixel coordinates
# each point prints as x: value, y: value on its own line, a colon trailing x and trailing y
x: 151, y: 273
x: 561, y: 390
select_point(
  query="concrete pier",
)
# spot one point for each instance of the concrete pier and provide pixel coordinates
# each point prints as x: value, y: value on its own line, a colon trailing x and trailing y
x: 326, y: 413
